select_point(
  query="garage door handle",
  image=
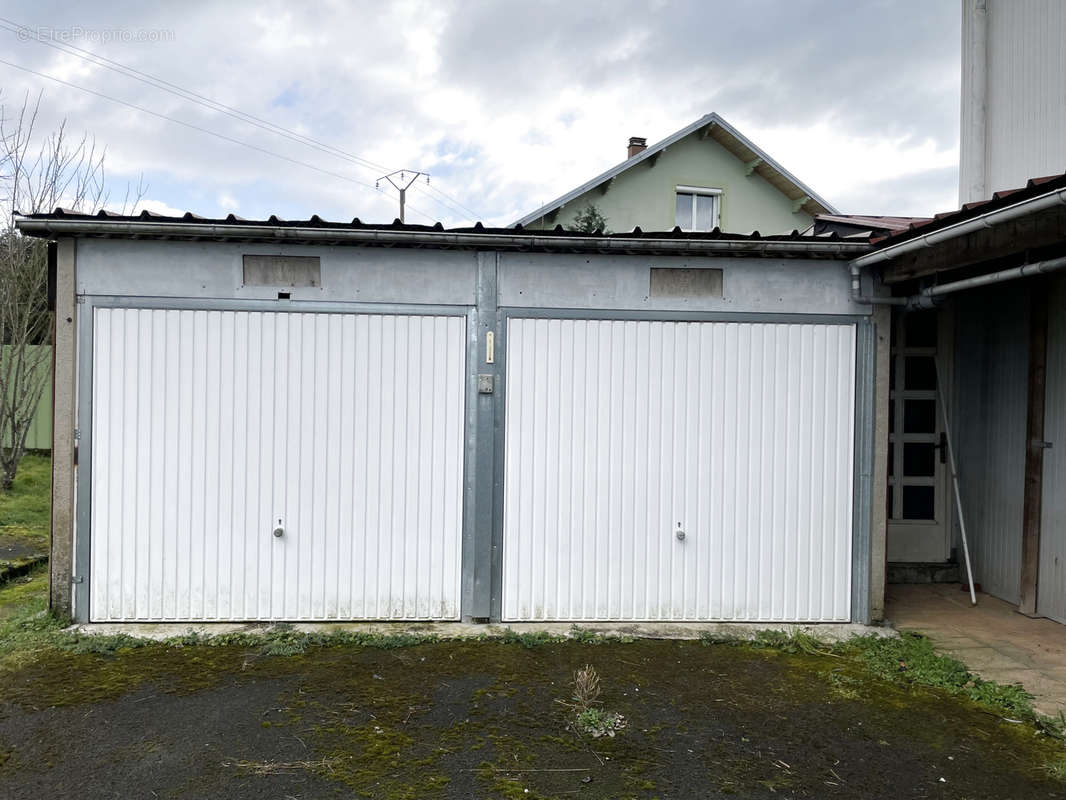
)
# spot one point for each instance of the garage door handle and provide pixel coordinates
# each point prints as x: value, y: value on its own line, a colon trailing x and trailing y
x: 279, y: 532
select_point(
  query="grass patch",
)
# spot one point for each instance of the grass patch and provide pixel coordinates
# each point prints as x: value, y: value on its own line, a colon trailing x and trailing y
x: 27, y: 594
x: 24, y: 510
x: 528, y: 639
x: 912, y: 660
x: 909, y: 660
x: 26, y: 627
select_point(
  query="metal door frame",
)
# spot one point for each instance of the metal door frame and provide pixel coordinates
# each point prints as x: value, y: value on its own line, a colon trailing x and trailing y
x: 862, y: 459
x: 87, y: 305
x: 941, y: 526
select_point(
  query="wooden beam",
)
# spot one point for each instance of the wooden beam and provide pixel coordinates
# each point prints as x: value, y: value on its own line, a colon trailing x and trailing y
x: 1034, y: 456
x: 605, y: 186
x: 653, y: 159
x: 705, y: 132
x: 799, y: 203
x: 1040, y: 230
x: 750, y: 166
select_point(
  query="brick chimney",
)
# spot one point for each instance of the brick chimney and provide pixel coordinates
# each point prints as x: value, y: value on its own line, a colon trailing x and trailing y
x: 637, y: 144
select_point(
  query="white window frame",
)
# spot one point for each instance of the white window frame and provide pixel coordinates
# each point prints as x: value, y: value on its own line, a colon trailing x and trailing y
x: 700, y: 190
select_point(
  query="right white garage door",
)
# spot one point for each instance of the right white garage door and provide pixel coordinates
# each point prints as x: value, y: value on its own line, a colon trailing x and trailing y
x: 678, y: 470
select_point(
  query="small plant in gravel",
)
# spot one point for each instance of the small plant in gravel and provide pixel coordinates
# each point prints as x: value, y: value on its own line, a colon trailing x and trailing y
x: 589, y: 718
x: 596, y: 722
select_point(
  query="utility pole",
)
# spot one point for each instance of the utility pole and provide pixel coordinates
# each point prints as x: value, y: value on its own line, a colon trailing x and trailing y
x: 403, y: 185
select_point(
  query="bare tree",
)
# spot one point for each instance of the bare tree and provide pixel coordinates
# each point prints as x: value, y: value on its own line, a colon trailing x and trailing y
x: 36, y: 174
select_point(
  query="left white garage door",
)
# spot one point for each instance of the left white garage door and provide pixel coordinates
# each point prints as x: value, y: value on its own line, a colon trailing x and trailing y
x: 212, y: 429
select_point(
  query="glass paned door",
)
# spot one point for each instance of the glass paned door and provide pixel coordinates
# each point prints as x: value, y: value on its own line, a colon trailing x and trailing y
x: 917, y: 452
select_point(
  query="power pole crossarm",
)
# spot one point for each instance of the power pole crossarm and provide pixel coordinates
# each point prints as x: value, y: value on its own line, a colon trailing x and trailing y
x: 401, y: 183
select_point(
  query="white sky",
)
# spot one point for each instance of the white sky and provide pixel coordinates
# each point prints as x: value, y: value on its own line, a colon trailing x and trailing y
x: 507, y: 104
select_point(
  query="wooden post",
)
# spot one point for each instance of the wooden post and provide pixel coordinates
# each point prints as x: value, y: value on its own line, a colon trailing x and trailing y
x: 882, y: 316
x: 1034, y: 438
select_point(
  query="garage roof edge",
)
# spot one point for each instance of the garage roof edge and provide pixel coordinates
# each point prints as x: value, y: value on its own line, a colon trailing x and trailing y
x: 315, y: 230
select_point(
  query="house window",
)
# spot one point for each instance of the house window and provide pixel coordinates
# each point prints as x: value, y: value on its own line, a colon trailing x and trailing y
x: 697, y: 209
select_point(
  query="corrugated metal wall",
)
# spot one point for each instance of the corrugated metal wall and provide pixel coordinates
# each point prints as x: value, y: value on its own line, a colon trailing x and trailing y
x: 210, y: 427
x: 1025, y: 125
x: 990, y: 399
x: 40, y: 435
x: 1051, y: 589
x: 619, y: 432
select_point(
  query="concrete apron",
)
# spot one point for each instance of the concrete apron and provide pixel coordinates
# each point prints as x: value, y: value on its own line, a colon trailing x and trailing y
x: 741, y: 631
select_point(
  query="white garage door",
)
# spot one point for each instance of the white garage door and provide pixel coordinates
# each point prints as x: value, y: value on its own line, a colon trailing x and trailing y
x: 678, y: 471
x: 213, y: 428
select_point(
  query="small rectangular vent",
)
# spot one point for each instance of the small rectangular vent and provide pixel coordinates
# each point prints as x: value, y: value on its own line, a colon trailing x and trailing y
x: 685, y: 283
x: 293, y: 271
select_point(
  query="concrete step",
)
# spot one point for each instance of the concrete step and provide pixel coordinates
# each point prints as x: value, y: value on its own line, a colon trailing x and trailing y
x: 919, y: 572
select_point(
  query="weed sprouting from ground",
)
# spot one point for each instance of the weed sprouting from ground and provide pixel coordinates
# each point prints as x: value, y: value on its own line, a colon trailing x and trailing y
x: 586, y: 688
x: 529, y: 639
x: 597, y: 722
x: 584, y: 703
x: 584, y: 635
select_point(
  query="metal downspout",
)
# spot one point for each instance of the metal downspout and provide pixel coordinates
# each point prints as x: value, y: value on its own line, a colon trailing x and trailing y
x: 858, y: 297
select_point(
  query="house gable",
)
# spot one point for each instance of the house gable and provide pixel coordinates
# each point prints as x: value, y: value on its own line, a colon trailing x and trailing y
x: 757, y: 194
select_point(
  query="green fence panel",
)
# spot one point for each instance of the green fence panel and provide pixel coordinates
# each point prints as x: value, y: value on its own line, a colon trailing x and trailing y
x: 40, y: 435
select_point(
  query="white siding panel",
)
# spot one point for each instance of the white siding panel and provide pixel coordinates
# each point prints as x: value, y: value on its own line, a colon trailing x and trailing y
x: 620, y: 433
x: 1051, y: 588
x: 1025, y: 72
x: 212, y: 427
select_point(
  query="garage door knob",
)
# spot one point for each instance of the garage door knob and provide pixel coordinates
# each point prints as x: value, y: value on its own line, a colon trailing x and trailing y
x: 680, y: 535
x: 279, y: 531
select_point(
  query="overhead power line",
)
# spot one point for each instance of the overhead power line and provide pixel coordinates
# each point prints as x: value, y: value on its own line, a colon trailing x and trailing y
x: 217, y: 106
x: 447, y: 196
x: 180, y: 91
x: 201, y: 129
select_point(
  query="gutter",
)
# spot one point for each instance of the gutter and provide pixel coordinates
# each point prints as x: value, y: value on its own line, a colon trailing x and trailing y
x: 989, y: 219
x: 184, y: 230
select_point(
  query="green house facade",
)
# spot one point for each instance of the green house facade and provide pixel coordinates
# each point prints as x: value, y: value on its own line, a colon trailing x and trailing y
x: 705, y: 176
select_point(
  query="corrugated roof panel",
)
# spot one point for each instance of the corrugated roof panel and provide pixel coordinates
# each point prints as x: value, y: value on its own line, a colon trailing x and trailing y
x: 1033, y: 188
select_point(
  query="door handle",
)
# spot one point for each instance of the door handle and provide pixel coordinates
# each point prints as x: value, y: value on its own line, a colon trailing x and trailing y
x: 942, y: 446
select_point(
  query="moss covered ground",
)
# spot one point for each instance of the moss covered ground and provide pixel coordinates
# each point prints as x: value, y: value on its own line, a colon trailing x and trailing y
x: 24, y: 511
x: 359, y: 715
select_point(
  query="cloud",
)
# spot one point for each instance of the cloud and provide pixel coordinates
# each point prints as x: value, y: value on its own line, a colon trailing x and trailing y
x: 506, y: 104
x: 159, y: 207
x: 228, y: 200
